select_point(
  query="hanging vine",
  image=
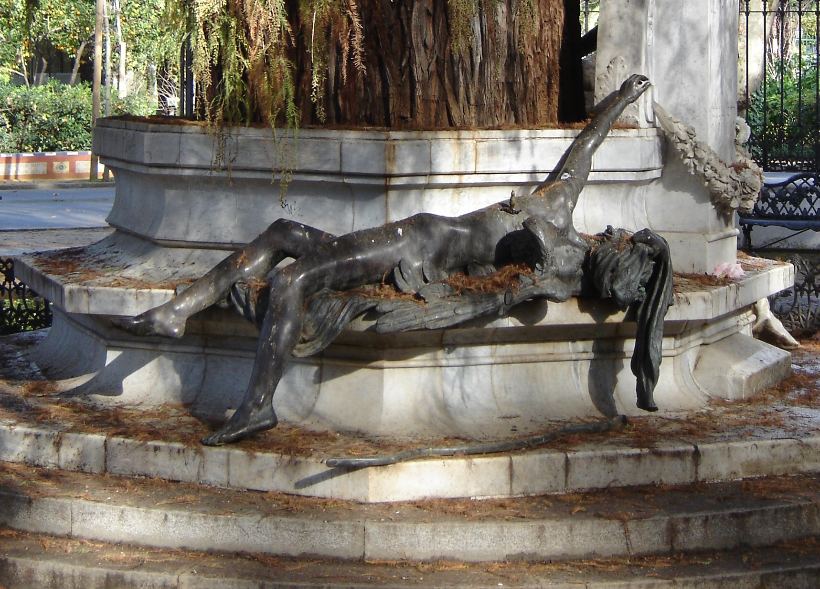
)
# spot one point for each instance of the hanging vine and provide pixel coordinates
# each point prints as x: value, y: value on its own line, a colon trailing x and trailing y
x: 245, y: 52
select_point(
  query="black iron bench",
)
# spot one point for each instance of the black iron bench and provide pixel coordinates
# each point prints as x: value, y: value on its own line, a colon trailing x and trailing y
x: 792, y: 203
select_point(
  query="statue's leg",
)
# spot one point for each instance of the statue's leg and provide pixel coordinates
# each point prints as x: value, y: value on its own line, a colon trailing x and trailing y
x: 278, y: 336
x: 283, y: 238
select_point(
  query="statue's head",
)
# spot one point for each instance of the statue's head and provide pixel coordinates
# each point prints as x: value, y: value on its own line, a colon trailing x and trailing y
x: 634, y: 86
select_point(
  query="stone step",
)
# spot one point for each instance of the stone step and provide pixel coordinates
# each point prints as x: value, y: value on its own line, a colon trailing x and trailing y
x: 29, y: 561
x: 295, y: 460
x: 624, y: 522
x: 777, y: 434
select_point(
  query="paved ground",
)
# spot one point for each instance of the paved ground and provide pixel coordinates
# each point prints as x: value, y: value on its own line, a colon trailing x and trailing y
x: 43, y: 216
x: 15, y: 242
x: 54, y: 206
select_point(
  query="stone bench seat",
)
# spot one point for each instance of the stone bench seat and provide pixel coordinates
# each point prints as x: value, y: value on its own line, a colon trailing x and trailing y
x: 118, y: 275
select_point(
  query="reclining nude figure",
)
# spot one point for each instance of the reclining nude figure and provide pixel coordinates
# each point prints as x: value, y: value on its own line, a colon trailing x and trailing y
x: 421, y: 247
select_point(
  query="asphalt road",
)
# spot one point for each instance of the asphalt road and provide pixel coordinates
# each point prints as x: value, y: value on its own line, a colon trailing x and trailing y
x: 54, y: 208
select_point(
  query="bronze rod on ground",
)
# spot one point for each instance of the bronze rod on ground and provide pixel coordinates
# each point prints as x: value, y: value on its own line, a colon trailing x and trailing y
x: 536, y: 441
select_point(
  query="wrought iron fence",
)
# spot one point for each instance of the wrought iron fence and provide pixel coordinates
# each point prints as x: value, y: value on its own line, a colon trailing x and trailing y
x: 799, y: 307
x: 589, y: 14
x: 20, y: 307
x: 779, y: 93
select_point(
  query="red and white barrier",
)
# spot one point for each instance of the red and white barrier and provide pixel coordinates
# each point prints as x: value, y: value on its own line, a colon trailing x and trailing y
x: 53, y: 165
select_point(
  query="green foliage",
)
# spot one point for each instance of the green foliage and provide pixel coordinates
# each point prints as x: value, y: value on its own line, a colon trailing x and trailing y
x: 64, y: 23
x: 46, y: 24
x: 783, y: 112
x: 50, y: 117
x: 30, y: 29
x: 12, y: 34
x: 242, y: 53
x: 245, y: 44
x: 24, y: 315
x: 138, y: 103
x: 54, y: 116
x: 153, y: 32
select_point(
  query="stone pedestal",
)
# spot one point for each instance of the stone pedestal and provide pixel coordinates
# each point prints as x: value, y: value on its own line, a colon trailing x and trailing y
x: 187, y: 197
x: 176, y: 216
x: 489, y: 378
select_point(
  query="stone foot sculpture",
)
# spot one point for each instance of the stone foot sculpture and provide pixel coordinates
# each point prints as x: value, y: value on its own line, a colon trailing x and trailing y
x: 770, y: 329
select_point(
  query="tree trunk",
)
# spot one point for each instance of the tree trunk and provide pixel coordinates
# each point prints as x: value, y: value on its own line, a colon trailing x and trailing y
x: 122, y: 85
x: 426, y: 69
x: 76, y: 68
x: 107, y: 41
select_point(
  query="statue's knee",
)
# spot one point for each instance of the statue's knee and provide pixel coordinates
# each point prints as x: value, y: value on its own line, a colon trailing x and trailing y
x: 277, y: 226
x: 289, y: 279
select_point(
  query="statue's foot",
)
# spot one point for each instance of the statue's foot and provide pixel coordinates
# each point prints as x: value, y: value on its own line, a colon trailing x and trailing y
x: 242, y: 424
x: 647, y: 405
x: 153, y: 322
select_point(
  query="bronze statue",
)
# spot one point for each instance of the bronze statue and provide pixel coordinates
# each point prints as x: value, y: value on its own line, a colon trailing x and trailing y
x: 534, y: 232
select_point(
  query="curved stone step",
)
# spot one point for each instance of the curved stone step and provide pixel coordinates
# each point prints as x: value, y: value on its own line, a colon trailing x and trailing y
x: 612, y: 523
x: 730, y: 441
x: 29, y: 561
x: 775, y: 436
x: 604, y: 461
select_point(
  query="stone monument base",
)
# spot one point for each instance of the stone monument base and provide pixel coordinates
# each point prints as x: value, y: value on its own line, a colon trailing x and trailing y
x: 489, y: 378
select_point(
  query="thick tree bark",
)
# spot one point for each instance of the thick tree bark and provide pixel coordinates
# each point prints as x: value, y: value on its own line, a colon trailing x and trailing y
x: 507, y: 68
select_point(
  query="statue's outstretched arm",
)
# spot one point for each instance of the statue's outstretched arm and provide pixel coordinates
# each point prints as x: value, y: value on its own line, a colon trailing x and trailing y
x: 575, y: 165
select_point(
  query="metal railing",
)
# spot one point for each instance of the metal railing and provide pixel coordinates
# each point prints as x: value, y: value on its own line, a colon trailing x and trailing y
x: 20, y: 307
x: 799, y: 307
x: 589, y: 14
x: 779, y: 93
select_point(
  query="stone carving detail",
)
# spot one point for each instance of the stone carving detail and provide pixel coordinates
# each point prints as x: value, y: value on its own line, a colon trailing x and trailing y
x: 607, y: 82
x: 732, y: 187
x: 432, y: 272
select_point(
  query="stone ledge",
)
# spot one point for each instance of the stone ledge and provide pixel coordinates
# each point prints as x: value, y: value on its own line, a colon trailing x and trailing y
x: 777, y: 435
x: 48, y: 562
x: 189, y: 149
x: 530, y: 473
x: 126, y: 275
x: 628, y: 522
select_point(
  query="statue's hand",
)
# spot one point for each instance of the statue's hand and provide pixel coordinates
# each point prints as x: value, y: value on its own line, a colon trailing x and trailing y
x: 633, y: 87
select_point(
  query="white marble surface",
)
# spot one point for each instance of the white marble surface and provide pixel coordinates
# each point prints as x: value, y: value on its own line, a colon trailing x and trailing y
x: 170, y: 187
x: 171, y: 190
x: 492, y: 376
x: 537, y: 471
x: 120, y: 274
x: 689, y: 52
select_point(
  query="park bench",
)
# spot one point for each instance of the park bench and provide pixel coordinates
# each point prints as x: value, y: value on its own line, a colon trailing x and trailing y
x: 792, y: 203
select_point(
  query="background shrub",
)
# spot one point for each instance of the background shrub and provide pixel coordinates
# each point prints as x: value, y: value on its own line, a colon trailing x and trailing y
x: 784, y: 123
x: 55, y: 116
x: 49, y: 117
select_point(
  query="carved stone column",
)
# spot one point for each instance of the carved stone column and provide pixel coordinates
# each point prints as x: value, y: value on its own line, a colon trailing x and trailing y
x: 689, y: 51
